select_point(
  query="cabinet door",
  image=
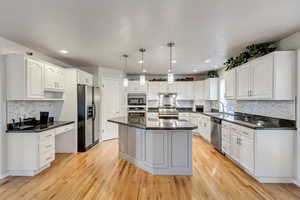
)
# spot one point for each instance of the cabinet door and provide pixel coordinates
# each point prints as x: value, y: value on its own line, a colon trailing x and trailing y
x: 172, y: 87
x: 60, y: 79
x: 234, y: 147
x: 243, y: 81
x: 262, y: 78
x: 49, y: 77
x: 156, y: 154
x: 35, y: 79
x: 230, y: 84
x: 185, y: 90
x: 153, y: 90
x: 198, y: 90
x: 247, y: 153
x: 163, y: 87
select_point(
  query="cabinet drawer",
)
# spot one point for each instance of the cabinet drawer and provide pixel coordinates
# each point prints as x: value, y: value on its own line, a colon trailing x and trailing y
x: 46, y: 135
x: 64, y: 129
x: 47, y: 145
x: 47, y: 158
x: 247, y: 132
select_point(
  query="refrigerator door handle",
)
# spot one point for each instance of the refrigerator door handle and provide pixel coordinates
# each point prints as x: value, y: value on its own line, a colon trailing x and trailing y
x: 94, y: 112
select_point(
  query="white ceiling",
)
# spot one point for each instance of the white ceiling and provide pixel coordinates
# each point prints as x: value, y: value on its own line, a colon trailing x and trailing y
x: 98, y: 32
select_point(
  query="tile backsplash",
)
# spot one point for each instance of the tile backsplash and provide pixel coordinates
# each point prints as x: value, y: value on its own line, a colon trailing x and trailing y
x: 277, y: 109
x: 25, y: 109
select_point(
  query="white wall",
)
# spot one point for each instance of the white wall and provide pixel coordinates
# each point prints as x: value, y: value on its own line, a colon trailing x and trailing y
x: 9, y: 47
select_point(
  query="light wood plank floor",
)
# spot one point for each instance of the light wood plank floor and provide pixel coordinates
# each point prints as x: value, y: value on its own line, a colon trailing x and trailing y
x: 100, y: 174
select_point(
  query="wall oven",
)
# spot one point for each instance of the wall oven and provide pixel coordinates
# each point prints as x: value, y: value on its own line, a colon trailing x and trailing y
x: 136, y: 99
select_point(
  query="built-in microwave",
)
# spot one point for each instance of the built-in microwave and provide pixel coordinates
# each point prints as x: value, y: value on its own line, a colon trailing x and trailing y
x: 136, y: 99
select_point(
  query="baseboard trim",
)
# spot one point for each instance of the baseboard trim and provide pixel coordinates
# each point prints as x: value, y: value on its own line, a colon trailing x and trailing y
x: 4, y: 175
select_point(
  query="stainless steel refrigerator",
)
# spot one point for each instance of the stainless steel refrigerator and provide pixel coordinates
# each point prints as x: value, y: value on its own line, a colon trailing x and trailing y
x: 88, y: 101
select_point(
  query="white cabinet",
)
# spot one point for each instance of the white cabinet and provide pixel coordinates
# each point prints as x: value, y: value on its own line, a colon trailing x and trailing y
x: 184, y: 90
x: 153, y: 90
x: 54, y: 78
x: 259, y: 152
x: 271, y: 77
x: 198, y: 90
x: 152, y: 115
x: 25, y: 78
x: 38, y: 151
x: 204, y: 125
x: 85, y: 78
x: 136, y: 87
x: 211, y: 89
x: 35, y: 79
x: 230, y: 84
x: 243, y: 81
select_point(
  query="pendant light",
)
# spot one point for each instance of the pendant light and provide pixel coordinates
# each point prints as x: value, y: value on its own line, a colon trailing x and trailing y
x: 125, y: 81
x: 170, y: 70
x: 142, y: 76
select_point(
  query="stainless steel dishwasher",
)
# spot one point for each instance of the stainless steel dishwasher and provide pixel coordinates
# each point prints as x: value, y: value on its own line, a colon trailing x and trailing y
x: 216, y: 133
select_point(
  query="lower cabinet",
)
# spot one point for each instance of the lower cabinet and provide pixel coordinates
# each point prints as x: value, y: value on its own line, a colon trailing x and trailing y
x: 260, y: 152
x: 204, y: 124
x: 30, y: 153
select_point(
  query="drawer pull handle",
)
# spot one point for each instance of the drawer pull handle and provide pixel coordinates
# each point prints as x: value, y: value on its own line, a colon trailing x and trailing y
x: 48, y: 146
x: 245, y: 133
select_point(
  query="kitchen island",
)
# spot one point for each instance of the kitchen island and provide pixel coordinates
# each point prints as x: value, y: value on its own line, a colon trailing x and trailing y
x: 159, y: 146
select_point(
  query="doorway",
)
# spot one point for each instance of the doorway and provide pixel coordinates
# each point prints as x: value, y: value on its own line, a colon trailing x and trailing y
x: 111, y: 106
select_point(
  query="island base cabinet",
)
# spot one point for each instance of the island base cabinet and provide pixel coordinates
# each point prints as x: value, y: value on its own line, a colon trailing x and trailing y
x: 160, y: 152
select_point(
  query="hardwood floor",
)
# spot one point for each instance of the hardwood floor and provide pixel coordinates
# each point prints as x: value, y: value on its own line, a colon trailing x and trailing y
x: 100, y: 174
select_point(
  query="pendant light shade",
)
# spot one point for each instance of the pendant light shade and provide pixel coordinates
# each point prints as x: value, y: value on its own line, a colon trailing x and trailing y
x: 125, y: 81
x: 170, y: 70
x: 143, y: 71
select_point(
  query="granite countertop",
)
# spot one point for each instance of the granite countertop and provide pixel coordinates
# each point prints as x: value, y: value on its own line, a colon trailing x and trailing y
x: 40, y: 128
x: 154, y: 124
x: 254, y: 121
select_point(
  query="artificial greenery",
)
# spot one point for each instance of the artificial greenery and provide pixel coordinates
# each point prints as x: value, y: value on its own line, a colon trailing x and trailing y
x: 212, y: 74
x: 252, y: 51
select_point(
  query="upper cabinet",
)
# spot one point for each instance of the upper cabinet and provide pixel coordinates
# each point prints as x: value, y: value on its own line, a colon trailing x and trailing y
x: 85, y: 78
x: 185, y: 90
x: 198, y: 90
x: 31, y: 79
x: 211, y: 89
x: 230, y: 84
x: 136, y: 87
x: 25, y: 78
x: 271, y: 77
x: 54, y: 78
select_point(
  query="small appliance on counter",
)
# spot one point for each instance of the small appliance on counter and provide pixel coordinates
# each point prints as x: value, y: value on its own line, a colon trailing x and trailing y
x: 199, y: 108
x: 44, y: 117
x: 167, y: 106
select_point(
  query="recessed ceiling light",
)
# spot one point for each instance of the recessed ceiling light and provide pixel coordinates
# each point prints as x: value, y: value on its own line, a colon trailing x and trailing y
x: 140, y: 61
x: 63, y: 51
x: 195, y: 70
x: 207, y: 61
x: 144, y: 71
x: 216, y: 66
x: 174, y: 61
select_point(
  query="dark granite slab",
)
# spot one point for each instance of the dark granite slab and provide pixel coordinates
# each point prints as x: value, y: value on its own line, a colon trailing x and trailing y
x: 40, y: 128
x: 255, y: 121
x: 154, y: 124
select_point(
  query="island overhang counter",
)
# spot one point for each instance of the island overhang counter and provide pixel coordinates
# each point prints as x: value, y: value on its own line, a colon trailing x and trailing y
x: 161, y: 147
